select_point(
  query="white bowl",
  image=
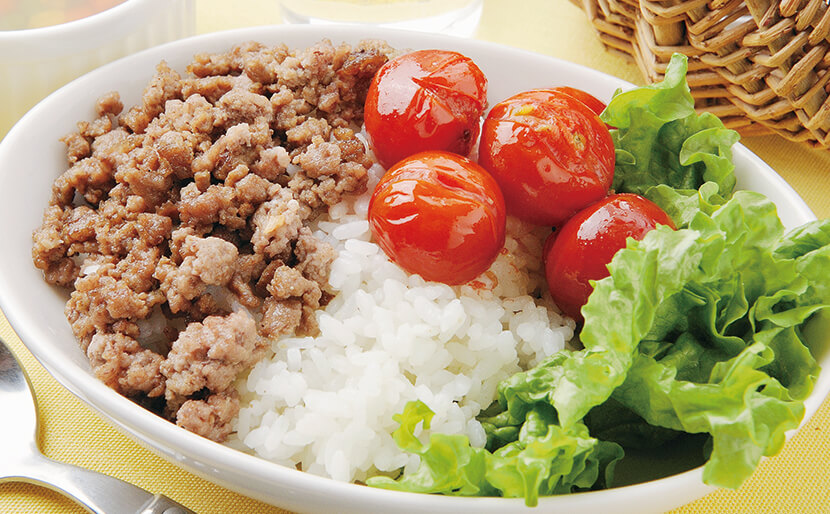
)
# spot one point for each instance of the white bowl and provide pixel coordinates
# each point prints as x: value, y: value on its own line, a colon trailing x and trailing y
x: 31, y: 157
x: 35, y: 62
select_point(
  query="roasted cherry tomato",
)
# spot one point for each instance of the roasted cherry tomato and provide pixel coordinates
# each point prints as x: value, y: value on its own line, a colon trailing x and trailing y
x: 593, y: 103
x: 425, y: 100
x: 549, y: 152
x: 581, y: 250
x: 439, y: 215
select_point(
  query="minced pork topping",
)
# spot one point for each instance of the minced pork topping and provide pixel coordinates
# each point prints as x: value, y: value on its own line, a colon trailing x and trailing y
x: 180, y: 225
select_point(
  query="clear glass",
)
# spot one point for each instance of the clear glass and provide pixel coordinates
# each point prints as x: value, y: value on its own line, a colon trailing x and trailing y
x: 455, y: 17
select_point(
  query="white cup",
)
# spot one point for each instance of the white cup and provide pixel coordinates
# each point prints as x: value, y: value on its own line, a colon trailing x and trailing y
x: 35, y: 62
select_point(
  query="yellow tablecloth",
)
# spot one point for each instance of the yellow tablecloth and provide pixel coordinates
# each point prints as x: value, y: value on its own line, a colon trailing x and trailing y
x: 795, y: 481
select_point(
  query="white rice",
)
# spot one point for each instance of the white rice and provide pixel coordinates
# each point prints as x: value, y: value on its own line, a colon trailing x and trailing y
x: 325, y: 404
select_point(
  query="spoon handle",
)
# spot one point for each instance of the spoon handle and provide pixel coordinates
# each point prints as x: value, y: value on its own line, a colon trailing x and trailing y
x: 97, y: 492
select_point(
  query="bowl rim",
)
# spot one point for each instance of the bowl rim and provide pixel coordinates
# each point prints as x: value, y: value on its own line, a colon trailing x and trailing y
x: 189, y: 450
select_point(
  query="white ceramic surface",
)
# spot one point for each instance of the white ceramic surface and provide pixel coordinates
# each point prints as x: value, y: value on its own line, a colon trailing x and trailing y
x: 31, y: 157
x: 35, y: 62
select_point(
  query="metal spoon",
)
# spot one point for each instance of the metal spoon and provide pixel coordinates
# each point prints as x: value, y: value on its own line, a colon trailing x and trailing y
x: 23, y: 462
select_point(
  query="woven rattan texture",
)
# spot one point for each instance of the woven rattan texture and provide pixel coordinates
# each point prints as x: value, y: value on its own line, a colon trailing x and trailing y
x: 761, y: 66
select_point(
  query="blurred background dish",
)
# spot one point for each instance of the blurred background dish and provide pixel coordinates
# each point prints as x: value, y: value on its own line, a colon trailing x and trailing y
x: 46, y: 43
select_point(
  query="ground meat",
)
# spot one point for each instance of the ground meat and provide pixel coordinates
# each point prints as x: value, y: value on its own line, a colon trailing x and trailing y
x: 288, y: 282
x: 272, y: 163
x: 90, y: 177
x: 50, y: 251
x: 209, y: 355
x: 121, y: 363
x: 230, y: 204
x: 115, y: 146
x: 281, y: 317
x: 147, y: 176
x: 77, y: 147
x: 304, y: 133
x: 192, y: 206
x: 290, y: 288
x: 194, y: 121
x: 320, y: 158
x: 111, y: 294
x: 177, y: 151
x: 211, y: 88
x: 277, y: 224
x: 289, y: 111
x: 166, y: 85
x: 248, y: 269
x: 210, y: 418
x: 204, y: 261
x: 242, y: 106
x: 241, y: 144
x: 99, y: 127
x: 238, y: 59
x: 314, y: 257
x: 213, y: 259
x: 110, y: 104
x: 199, y: 208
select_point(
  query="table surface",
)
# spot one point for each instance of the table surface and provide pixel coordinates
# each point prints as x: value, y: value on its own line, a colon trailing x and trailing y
x: 796, y: 480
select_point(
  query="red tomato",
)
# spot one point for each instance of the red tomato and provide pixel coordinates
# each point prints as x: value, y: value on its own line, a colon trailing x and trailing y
x: 439, y: 215
x: 425, y: 100
x: 593, y: 103
x: 584, y: 246
x: 551, y: 155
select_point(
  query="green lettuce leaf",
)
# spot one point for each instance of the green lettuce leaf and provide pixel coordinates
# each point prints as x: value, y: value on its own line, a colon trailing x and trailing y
x: 449, y: 464
x: 804, y: 239
x: 683, y: 204
x: 544, y: 459
x: 549, y: 459
x: 614, y: 422
x: 737, y: 367
x: 809, y: 245
x: 659, y: 139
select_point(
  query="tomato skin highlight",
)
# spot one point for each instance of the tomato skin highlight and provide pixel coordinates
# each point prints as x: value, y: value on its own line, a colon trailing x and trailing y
x: 439, y: 215
x: 551, y: 155
x: 425, y: 100
x: 581, y: 250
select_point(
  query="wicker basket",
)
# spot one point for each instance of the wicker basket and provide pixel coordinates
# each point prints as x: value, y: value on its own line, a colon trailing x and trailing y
x: 761, y: 66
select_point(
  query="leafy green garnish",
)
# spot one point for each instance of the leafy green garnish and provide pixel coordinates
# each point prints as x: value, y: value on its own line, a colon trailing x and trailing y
x: 543, y: 459
x: 661, y: 140
x: 443, y: 453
